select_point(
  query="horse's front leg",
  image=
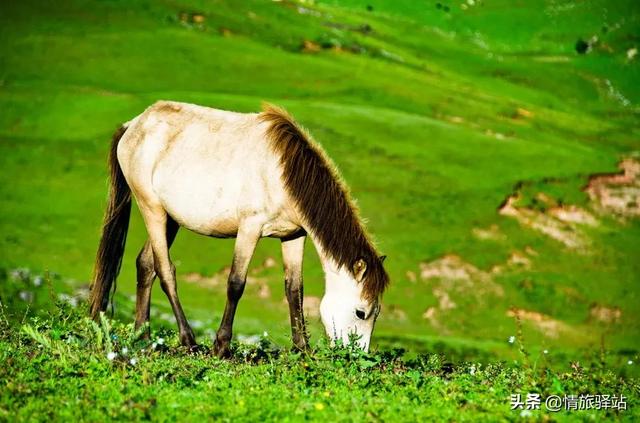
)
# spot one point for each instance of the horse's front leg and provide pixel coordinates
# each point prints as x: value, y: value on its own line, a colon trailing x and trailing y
x: 292, y: 255
x: 248, y: 236
x: 156, y: 222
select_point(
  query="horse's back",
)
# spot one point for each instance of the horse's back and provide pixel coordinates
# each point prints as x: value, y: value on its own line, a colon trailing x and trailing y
x: 209, y: 169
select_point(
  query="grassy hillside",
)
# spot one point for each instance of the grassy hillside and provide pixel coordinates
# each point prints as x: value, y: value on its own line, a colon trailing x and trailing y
x: 434, y: 112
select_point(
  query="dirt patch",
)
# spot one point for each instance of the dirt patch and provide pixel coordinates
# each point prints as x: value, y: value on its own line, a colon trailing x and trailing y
x: 455, y: 273
x: 394, y: 312
x: 496, y: 135
x: 217, y: 279
x: 268, y: 263
x: 310, y: 47
x: 565, y: 231
x: 455, y: 119
x: 547, y: 325
x: 264, y: 291
x: 521, y: 114
x: 617, y: 193
x: 311, y: 306
x: 573, y: 293
x: 491, y: 233
x: 191, y: 18
x: 573, y: 215
x: 450, y: 267
x: 518, y: 260
x: 450, y: 274
x: 604, y: 314
x: 432, y: 315
x: 411, y: 276
x: 444, y: 301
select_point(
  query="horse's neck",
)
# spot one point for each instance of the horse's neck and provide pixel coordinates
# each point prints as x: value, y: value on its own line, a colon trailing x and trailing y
x: 330, y: 267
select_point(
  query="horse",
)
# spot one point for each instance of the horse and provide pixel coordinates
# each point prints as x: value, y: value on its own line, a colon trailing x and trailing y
x: 237, y: 175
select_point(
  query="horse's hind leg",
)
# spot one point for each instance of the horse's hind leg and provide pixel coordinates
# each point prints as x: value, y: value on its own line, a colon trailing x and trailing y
x: 146, y: 275
x: 292, y: 254
x: 156, y: 222
x: 246, y: 240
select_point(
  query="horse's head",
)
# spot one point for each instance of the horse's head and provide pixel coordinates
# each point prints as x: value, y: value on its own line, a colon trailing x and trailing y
x: 351, y: 305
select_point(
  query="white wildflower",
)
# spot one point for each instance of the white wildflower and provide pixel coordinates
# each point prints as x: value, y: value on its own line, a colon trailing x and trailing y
x: 111, y: 355
x: 545, y: 352
x: 630, y: 362
x: 512, y: 339
x: 160, y: 341
x: 631, y: 53
x: 125, y: 350
x: 249, y: 339
x: 26, y: 296
x: 472, y: 371
x: 133, y: 361
x: 154, y: 345
x: 265, y: 334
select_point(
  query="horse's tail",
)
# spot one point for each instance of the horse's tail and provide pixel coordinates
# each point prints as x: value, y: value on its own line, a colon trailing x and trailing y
x: 114, y: 232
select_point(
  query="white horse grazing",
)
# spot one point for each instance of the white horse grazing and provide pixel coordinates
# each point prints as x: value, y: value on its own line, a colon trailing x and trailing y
x: 225, y: 174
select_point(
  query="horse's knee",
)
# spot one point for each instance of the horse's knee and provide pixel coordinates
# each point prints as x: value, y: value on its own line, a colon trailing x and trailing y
x: 235, y: 288
x: 166, y: 272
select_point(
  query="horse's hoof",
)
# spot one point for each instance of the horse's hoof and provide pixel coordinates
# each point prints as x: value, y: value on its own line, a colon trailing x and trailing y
x: 302, y: 347
x: 188, y: 340
x: 195, y: 349
x: 221, y: 351
x: 143, y: 331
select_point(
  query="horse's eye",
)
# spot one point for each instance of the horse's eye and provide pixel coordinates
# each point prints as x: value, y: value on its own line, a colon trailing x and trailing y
x: 360, y: 314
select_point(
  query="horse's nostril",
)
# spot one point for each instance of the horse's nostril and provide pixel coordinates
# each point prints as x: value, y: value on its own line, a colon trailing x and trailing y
x: 360, y: 314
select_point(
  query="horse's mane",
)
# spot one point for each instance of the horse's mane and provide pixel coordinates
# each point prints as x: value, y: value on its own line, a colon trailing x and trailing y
x: 323, y: 199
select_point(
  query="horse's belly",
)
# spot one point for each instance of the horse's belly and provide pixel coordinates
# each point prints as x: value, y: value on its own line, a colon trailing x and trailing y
x: 196, y: 203
x: 204, y: 218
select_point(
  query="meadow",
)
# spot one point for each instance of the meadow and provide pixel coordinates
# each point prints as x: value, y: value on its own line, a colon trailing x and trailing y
x: 481, y: 139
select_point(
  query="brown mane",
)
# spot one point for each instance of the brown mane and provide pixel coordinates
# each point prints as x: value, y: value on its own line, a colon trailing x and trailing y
x: 323, y: 199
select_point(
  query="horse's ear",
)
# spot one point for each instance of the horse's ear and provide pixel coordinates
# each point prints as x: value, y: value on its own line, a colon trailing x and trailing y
x: 382, y: 259
x: 359, y: 267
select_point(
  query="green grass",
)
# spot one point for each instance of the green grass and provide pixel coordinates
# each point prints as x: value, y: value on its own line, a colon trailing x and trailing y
x: 420, y: 108
x: 60, y: 365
